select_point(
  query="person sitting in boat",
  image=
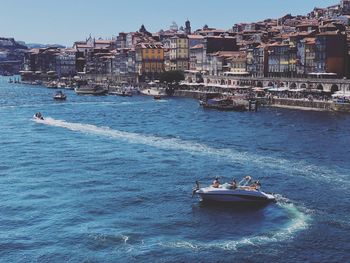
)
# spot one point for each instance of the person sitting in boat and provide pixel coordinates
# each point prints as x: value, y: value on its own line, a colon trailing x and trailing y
x: 39, y: 116
x: 256, y: 185
x: 216, y: 182
x: 234, y: 184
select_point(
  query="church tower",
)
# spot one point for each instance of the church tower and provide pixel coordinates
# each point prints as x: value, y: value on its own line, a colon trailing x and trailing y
x: 188, y: 27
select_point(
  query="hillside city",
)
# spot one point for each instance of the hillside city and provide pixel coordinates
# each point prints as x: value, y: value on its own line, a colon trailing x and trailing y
x: 302, y: 46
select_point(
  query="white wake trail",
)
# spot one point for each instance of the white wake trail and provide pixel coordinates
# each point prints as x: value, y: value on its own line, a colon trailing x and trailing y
x: 290, y: 167
x: 298, y: 220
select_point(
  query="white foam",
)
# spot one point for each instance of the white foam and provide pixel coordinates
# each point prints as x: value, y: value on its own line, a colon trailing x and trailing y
x: 290, y: 167
x: 298, y: 221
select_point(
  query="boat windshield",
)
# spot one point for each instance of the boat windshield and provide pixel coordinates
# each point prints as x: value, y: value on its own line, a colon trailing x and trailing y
x: 245, y: 181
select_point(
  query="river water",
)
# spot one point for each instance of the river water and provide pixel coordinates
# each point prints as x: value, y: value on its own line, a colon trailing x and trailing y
x: 109, y: 179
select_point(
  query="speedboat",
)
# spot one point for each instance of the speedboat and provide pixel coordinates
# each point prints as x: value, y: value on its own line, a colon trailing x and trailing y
x: 246, y: 191
x: 60, y: 96
x: 38, y: 116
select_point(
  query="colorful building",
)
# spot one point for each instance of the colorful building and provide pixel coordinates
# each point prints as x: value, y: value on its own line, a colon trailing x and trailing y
x: 330, y: 55
x: 179, y: 53
x: 149, y: 60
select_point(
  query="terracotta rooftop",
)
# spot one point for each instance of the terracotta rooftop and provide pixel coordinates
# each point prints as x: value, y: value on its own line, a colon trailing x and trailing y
x: 103, y: 41
x: 82, y: 46
x: 329, y: 33
x: 310, y: 40
x: 195, y: 37
x: 225, y: 53
x: 150, y: 45
x: 276, y: 44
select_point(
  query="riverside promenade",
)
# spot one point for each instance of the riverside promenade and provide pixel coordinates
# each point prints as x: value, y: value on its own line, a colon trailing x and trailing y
x: 271, y: 101
x: 313, y: 93
x: 320, y: 84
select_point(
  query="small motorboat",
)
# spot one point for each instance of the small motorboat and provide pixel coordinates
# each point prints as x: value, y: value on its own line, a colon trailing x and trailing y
x: 52, y: 85
x: 246, y: 191
x: 121, y: 92
x: 38, y: 116
x: 59, y: 96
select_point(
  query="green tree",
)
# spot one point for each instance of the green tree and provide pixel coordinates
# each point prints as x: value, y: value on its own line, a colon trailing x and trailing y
x: 170, y: 77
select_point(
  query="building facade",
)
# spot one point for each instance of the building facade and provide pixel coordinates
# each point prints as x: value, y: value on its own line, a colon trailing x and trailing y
x: 65, y: 63
x: 149, y: 60
x: 179, y: 53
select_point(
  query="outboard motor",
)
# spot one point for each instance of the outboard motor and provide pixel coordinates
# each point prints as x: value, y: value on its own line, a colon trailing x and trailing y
x: 196, y: 188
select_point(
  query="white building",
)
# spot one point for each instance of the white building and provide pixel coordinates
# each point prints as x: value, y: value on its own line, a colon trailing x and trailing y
x: 65, y: 63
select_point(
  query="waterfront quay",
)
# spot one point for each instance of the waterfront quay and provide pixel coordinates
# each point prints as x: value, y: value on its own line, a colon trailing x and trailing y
x: 299, y: 93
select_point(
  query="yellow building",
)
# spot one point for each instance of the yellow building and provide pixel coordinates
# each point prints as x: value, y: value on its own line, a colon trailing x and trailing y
x: 179, y: 53
x: 149, y: 60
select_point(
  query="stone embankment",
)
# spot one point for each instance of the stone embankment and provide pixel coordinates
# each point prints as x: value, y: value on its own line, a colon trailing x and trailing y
x: 309, y: 105
x: 194, y: 94
x: 301, y: 104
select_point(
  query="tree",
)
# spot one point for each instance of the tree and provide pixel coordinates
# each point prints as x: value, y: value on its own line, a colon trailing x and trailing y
x: 174, y: 76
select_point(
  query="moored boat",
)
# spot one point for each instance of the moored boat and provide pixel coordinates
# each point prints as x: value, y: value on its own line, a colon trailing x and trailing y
x: 121, y: 92
x: 60, y: 96
x: 223, y: 104
x: 95, y: 90
x: 153, y: 91
x: 52, y: 85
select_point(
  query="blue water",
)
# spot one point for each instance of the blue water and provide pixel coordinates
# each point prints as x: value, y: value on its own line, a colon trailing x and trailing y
x: 109, y: 179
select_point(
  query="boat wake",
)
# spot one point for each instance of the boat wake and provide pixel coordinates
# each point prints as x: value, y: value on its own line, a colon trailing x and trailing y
x: 299, y: 219
x: 294, y: 168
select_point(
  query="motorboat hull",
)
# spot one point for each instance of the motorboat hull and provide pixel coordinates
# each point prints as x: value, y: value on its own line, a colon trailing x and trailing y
x: 59, y: 97
x: 234, y: 196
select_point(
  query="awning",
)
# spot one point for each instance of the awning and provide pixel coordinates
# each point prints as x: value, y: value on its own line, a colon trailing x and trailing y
x: 236, y: 73
x: 278, y: 89
x: 297, y: 90
x: 341, y: 94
